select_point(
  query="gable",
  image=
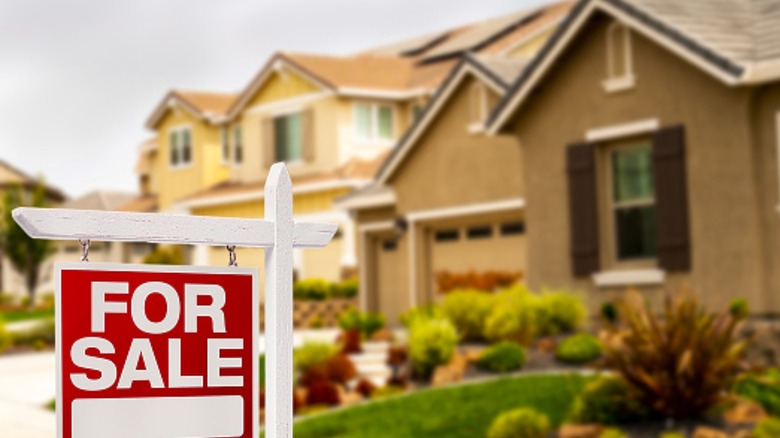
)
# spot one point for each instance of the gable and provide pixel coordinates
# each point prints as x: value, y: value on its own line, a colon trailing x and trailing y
x: 282, y: 84
x: 9, y: 175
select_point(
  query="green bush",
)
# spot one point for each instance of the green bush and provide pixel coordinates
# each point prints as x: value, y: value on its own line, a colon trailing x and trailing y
x: 767, y: 428
x: 607, y: 400
x: 6, y: 339
x: 365, y: 322
x: 763, y: 388
x: 501, y: 358
x: 739, y: 308
x: 514, y: 317
x: 579, y: 348
x: 313, y: 353
x: 313, y: 289
x: 612, y: 432
x: 344, y: 289
x: 38, y: 336
x: 467, y: 310
x: 560, y: 312
x: 432, y: 343
x: 165, y: 256
x: 421, y: 313
x: 387, y: 391
x: 520, y: 423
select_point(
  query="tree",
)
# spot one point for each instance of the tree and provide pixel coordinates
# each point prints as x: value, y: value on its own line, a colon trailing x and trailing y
x: 25, y: 253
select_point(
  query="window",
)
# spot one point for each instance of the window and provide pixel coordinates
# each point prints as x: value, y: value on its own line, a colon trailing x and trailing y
x: 481, y: 232
x: 238, y: 144
x: 633, y: 202
x: 446, y: 235
x: 374, y: 122
x: 620, y: 69
x: 512, y: 228
x: 288, y: 138
x: 389, y: 245
x: 180, y: 142
x: 225, y: 140
x: 478, y: 107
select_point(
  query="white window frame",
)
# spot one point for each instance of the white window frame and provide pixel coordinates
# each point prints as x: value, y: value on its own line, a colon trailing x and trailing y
x: 478, y: 104
x: 374, y: 120
x: 179, y: 129
x: 224, y: 144
x: 619, y: 82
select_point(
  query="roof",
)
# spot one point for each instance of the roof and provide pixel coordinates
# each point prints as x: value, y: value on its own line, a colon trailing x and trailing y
x: 140, y: 204
x: 106, y: 200
x: 736, y: 41
x: 494, y: 72
x: 23, y: 179
x: 202, y: 104
x: 355, y: 172
x: 362, y: 71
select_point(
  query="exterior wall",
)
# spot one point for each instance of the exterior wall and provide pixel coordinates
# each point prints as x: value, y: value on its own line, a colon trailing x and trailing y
x: 724, y: 206
x: 206, y: 168
x: 455, y: 167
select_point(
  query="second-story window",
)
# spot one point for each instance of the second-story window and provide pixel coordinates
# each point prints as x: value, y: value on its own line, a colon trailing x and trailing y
x: 374, y: 122
x: 225, y: 144
x: 239, y: 144
x: 288, y: 137
x: 180, y: 146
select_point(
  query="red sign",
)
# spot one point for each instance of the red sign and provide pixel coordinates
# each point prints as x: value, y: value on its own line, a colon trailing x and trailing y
x: 156, y: 351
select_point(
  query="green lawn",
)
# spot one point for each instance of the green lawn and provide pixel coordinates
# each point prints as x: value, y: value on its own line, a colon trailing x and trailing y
x: 17, y: 315
x: 464, y: 411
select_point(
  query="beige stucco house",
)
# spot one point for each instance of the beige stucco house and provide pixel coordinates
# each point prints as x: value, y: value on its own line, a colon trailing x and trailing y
x: 650, y: 132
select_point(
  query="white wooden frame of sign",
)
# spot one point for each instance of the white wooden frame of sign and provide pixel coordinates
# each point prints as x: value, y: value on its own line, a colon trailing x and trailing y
x: 277, y: 233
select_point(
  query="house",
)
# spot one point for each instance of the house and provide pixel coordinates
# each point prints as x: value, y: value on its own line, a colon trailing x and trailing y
x: 650, y: 132
x: 11, y: 178
x: 332, y: 119
x: 448, y: 198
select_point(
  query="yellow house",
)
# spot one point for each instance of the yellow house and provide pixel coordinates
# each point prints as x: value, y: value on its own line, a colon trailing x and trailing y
x: 332, y: 119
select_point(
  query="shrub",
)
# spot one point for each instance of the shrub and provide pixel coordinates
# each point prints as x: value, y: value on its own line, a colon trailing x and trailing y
x: 487, y: 281
x: 763, y: 388
x: 365, y: 388
x: 671, y: 435
x: 680, y: 363
x: 467, y: 310
x: 612, y: 432
x: 313, y: 353
x: 739, y: 308
x: 560, y: 312
x: 502, y: 357
x: 38, y: 336
x: 340, y: 369
x: 579, y: 348
x: 372, y: 323
x: 421, y: 313
x: 316, y: 322
x: 165, y: 256
x: 323, y: 393
x: 387, y: 391
x: 366, y: 323
x: 6, y: 339
x: 609, y: 312
x: 513, y: 317
x: 607, y: 400
x: 344, y: 289
x: 431, y: 343
x: 520, y: 423
x: 311, y: 289
x: 767, y: 428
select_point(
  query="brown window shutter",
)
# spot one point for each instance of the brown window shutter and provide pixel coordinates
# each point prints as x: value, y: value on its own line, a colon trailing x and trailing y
x: 269, y: 147
x: 583, y: 208
x: 671, y: 199
x: 307, y: 126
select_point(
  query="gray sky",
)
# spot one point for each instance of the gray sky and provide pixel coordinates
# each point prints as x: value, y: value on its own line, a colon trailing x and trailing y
x: 78, y: 78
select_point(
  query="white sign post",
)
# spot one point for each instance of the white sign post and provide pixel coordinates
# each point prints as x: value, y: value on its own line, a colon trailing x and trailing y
x: 277, y: 233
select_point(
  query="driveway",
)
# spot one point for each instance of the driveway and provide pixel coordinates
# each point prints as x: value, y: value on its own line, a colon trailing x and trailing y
x: 26, y: 385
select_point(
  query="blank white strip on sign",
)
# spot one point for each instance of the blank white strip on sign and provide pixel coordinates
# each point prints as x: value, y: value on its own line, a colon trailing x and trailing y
x: 169, y: 417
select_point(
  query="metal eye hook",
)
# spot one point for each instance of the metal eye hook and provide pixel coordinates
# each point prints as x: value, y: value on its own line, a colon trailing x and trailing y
x: 232, y: 255
x: 84, y: 250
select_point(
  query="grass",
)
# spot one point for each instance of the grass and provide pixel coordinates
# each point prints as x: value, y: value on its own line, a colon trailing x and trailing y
x: 463, y: 411
x: 17, y: 315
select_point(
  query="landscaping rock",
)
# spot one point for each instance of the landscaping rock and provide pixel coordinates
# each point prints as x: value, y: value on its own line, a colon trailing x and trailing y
x: 745, y: 411
x: 709, y: 432
x: 349, y: 398
x: 452, y: 372
x: 580, y: 430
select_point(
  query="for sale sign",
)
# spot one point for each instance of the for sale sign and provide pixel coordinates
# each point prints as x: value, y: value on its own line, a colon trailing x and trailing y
x: 155, y: 351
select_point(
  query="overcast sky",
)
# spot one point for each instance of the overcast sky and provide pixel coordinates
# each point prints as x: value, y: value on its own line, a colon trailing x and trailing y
x: 78, y: 78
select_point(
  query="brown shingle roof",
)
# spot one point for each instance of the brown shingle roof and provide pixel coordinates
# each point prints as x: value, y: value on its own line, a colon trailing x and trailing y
x: 141, y: 204
x: 362, y: 71
x: 214, y: 104
x: 99, y: 200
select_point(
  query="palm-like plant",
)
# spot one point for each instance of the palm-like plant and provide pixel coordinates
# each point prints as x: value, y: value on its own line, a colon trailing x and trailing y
x: 681, y: 362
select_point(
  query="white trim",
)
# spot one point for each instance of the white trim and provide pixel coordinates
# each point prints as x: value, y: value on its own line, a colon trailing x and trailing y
x: 259, y: 194
x: 622, y: 130
x: 466, y: 210
x: 374, y: 138
x: 179, y: 129
x: 378, y: 93
x: 359, y: 202
x: 523, y: 41
x: 614, y: 82
x: 633, y: 277
x: 376, y: 226
x: 430, y: 114
x: 546, y: 62
x: 364, y: 229
x: 297, y: 100
x: 762, y: 71
x: 323, y: 216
